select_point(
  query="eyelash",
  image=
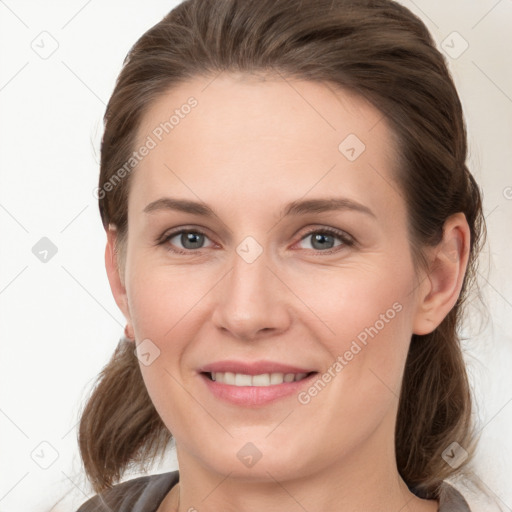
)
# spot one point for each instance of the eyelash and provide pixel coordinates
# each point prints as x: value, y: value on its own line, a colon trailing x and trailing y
x: 347, y: 240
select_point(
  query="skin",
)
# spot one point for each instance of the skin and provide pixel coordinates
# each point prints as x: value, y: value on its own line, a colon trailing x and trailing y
x: 248, y: 148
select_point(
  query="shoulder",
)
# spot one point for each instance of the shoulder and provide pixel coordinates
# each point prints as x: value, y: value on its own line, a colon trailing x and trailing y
x: 142, y: 494
x: 451, y: 500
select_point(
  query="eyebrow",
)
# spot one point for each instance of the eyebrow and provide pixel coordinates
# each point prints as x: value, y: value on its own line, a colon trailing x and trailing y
x: 298, y: 207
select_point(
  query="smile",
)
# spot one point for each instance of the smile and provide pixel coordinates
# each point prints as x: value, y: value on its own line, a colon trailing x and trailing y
x: 254, y: 384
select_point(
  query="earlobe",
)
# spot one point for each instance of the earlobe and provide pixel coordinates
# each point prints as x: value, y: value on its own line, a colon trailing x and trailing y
x: 114, y: 273
x: 441, y: 286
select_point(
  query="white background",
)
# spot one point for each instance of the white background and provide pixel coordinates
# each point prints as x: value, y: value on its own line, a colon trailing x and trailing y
x: 60, y: 323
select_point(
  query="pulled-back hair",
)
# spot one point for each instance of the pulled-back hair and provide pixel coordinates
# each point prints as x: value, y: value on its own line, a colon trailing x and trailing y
x: 377, y: 49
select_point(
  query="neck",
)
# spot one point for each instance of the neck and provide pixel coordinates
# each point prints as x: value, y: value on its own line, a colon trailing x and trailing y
x: 366, y: 480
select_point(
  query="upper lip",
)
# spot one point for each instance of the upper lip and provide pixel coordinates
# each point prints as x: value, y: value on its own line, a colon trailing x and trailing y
x: 252, y: 367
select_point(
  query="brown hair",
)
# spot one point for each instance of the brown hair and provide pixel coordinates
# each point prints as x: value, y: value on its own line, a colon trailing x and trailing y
x: 378, y: 49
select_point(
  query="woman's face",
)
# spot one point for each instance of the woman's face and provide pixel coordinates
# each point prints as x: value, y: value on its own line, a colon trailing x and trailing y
x: 296, y: 262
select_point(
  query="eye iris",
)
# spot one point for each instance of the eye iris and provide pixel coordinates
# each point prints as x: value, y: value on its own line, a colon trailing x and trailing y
x: 321, y: 239
x: 196, y: 239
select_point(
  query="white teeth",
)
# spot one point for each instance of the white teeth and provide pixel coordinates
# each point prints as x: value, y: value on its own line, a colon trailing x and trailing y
x: 261, y: 380
x: 265, y: 379
x: 242, y: 380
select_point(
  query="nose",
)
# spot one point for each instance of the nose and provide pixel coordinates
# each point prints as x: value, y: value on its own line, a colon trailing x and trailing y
x: 251, y: 301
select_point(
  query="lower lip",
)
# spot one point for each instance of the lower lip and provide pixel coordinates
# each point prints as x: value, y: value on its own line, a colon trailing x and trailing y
x: 255, y: 395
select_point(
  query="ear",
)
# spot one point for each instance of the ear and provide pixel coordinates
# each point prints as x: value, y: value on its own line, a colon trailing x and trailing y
x: 115, y: 277
x: 440, y: 286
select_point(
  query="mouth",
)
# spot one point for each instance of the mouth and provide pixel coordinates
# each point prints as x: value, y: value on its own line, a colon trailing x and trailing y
x: 254, y: 383
x: 260, y: 380
x: 254, y: 390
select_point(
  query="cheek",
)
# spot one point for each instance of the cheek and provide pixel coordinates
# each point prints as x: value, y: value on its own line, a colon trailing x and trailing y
x: 167, y: 310
x: 359, y: 388
x: 162, y: 299
x: 362, y: 305
x: 367, y: 327
x: 163, y: 323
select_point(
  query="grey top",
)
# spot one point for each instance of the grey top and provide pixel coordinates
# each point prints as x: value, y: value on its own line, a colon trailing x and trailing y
x: 146, y: 493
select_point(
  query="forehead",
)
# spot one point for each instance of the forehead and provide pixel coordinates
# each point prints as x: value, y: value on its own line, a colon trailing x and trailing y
x: 239, y: 136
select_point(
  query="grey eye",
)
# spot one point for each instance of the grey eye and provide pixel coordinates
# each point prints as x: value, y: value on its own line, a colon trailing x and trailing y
x: 188, y: 240
x: 321, y: 241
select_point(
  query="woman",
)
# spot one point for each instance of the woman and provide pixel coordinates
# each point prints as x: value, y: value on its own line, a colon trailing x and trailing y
x: 292, y: 231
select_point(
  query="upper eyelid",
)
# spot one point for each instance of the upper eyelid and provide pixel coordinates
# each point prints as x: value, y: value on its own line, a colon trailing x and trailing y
x: 346, y: 239
x: 172, y: 233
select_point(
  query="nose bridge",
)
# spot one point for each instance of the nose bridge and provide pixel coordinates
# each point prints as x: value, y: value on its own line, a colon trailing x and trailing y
x: 250, y: 300
x: 250, y: 275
